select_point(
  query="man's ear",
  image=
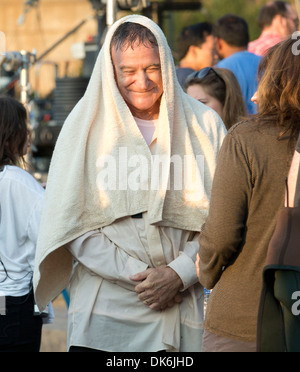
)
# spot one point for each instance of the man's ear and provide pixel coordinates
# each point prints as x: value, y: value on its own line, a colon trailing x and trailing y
x: 219, y: 44
x: 280, y: 24
x: 277, y: 20
x: 193, y: 50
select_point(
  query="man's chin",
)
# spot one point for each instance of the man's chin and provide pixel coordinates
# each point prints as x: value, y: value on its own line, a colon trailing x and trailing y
x: 143, y: 107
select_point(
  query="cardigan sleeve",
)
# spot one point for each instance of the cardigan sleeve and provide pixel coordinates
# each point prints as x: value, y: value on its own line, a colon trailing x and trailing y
x: 223, y: 233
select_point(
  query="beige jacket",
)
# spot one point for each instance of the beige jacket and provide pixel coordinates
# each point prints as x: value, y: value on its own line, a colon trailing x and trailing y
x: 100, y: 128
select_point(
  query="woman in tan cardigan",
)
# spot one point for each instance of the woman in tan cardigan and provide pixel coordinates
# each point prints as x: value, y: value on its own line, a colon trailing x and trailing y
x: 247, y: 194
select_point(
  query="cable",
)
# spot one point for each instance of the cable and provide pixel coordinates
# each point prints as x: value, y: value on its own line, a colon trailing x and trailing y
x: 17, y: 280
x: 7, y: 276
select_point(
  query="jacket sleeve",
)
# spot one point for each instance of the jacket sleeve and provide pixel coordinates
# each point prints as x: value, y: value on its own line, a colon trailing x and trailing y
x: 222, y: 236
x: 184, y: 264
x: 102, y: 257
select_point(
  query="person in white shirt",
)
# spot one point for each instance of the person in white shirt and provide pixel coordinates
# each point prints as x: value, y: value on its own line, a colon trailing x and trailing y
x: 116, y: 202
x: 21, y: 201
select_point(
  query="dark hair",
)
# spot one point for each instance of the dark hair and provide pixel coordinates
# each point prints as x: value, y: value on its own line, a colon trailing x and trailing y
x: 233, y: 30
x: 192, y: 35
x: 221, y: 84
x: 270, y: 11
x: 129, y: 33
x: 14, y: 131
x: 279, y: 89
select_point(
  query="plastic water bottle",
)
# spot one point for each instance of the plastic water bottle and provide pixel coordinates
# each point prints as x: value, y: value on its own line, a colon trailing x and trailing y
x: 207, y: 293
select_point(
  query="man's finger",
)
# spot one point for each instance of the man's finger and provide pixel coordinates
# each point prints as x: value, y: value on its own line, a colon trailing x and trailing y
x: 142, y: 287
x: 140, y: 276
x: 155, y: 307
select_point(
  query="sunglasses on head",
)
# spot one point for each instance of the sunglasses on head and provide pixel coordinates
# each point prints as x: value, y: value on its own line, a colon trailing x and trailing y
x: 203, y: 73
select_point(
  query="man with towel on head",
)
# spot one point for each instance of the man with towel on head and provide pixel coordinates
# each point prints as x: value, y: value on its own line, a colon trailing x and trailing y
x: 127, y: 194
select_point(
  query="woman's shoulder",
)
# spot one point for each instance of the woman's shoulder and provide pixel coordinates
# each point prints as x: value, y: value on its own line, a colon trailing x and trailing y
x: 259, y: 142
x: 21, y: 178
x: 251, y: 129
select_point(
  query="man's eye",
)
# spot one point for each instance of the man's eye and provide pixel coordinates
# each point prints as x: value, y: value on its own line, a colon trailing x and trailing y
x: 128, y: 72
x: 153, y: 69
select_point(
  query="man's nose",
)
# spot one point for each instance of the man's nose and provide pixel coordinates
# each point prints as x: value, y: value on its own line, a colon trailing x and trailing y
x: 142, y: 80
x: 255, y: 98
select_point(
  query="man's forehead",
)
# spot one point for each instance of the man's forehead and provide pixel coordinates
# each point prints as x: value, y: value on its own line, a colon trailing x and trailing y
x: 136, y: 52
x: 137, y: 45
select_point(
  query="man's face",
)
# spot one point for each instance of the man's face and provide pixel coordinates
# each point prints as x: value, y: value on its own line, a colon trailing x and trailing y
x: 139, y: 79
x: 207, y: 54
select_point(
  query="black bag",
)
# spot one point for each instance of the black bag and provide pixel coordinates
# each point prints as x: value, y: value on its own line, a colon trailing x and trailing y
x: 278, y: 328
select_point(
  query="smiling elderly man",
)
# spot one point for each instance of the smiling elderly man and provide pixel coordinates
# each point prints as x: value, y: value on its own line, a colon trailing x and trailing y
x: 116, y: 205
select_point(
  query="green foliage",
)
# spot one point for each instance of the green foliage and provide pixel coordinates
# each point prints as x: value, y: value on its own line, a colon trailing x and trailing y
x: 211, y: 11
x: 247, y: 9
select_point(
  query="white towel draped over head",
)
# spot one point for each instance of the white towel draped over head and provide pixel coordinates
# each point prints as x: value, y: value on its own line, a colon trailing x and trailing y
x: 102, y: 168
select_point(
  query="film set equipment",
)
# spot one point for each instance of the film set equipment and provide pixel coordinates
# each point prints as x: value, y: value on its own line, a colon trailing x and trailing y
x: 121, y: 4
x: 28, y: 5
x: 21, y: 62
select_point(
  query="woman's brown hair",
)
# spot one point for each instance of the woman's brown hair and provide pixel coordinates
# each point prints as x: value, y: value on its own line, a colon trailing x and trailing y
x: 279, y: 89
x: 14, y: 132
x: 222, y: 84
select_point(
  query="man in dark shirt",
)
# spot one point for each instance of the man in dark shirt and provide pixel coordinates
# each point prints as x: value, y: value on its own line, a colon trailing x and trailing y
x: 195, y: 49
